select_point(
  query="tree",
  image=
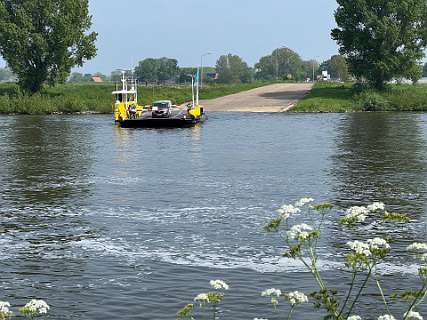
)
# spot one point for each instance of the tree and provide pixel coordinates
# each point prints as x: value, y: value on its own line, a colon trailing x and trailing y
x: 154, y: 70
x: 167, y: 69
x: 339, y: 68
x: 284, y: 64
x: 232, y: 69
x: 116, y: 76
x: 41, y: 40
x: 382, y: 39
x: 75, y: 77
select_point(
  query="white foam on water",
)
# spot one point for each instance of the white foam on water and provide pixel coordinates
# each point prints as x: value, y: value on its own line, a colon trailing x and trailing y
x: 259, y: 262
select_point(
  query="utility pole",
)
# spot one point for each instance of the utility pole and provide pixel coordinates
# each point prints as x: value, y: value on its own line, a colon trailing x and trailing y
x: 201, y: 67
x: 313, y: 71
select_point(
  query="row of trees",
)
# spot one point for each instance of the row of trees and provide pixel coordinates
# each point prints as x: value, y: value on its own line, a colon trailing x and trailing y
x: 282, y: 64
x: 42, y: 41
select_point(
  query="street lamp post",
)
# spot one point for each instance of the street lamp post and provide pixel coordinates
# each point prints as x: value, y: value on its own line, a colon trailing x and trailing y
x: 201, y: 67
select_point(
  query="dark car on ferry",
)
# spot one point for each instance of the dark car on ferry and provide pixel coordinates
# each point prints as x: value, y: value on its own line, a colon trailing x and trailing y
x: 161, y: 109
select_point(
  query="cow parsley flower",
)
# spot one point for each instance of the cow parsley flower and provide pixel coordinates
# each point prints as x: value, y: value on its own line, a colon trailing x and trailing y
x: 303, y: 201
x: 412, y: 315
x: 417, y: 247
x: 296, y: 297
x: 386, y: 317
x: 354, y: 215
x: 287, y: 210
x: 219, y: 284
x: 378, y: 244
x: 260, y: 319
x: 300, y: 232
x: 271, y: 293
x: 35, y: 307
x: 360, y: 248
x: 376, y: 206
x: 354, y: 318
x: 202, y: 298
x: 4, y: 309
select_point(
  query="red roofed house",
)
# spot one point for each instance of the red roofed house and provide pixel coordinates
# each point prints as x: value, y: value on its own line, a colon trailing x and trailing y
x: 97, y: 79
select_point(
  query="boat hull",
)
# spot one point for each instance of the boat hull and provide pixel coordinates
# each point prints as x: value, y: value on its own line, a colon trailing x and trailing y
x: 150, y: 122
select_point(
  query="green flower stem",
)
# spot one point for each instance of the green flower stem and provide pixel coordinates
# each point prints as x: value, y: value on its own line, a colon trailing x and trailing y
x: 377, y: 281
x: 416, y: 302
x: 360, y: 292
x: 214, y: 311
x: 353, y: 280
x: 290, y: 313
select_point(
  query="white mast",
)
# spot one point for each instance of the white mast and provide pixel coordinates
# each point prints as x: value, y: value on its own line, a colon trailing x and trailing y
x: 192, y: 89
x: 197, y: 86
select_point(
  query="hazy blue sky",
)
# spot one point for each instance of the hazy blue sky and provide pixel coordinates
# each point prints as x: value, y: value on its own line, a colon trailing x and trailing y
x: 185, y: 29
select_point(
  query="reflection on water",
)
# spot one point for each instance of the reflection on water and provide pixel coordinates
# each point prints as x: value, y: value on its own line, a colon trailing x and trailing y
x: 381, y: 157
x: 46, y: 158
x: 109, y: 223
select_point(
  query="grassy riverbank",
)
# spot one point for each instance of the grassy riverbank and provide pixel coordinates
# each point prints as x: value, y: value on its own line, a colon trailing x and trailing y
x: 75, y: 98
x: 335, y: 97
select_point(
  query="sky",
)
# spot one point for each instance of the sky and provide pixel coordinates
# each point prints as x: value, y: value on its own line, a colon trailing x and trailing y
x: 132, y: 30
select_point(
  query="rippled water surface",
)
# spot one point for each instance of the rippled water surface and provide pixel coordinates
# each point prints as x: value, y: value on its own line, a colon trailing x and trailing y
x: 110, y: 223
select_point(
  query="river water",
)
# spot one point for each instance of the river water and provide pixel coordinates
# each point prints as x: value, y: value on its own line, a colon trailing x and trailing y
x: 111, y: 223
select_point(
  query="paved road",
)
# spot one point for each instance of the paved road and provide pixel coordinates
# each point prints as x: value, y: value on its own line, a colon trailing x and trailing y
x: 272, y: 98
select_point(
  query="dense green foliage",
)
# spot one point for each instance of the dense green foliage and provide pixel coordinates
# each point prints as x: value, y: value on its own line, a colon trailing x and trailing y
x: 41, y: 40
x: 232, y: 69
x: 337, y: 67
x: 285, y: 64
x: 73, y: 98
x: 382, y: 39
x: 425, y: 70
x: 157, y: 70
x: 334, y: 97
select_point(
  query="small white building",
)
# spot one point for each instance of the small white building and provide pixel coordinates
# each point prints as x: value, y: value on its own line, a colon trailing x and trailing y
x: 326, y: 76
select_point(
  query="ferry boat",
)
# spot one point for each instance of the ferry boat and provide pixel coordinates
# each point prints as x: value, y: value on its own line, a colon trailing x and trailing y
x: 161, y: 114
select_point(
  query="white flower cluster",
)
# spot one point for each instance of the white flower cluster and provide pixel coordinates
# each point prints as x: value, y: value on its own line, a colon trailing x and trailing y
x: 378, y: 244
x: 354, y: 318
x: 376, y: 206
x: 417, y: 247
x: 366, y: 248
x: 300, y: 232
x: 303, y: 201
x: 356, y: 214
x: 359, y: 247
x: 260, y: 319
x: 271, y: 293
x: 36, y: 307
x: 296, y: 297
x: 219, y: 284
x: 287, y: 210
x: 386, y: 317
x: 4, y: 309
x: 202, y: 297
x: 412, y: 315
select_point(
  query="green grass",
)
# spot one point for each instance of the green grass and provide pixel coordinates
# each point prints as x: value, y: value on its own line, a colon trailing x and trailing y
x: 75, y: 98
x: 334, y: 97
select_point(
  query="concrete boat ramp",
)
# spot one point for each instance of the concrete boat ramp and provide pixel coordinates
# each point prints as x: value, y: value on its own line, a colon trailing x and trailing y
x: 279, y: 97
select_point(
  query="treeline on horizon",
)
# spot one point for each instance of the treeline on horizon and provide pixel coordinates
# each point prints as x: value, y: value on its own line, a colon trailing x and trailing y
x: 282, y: 64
